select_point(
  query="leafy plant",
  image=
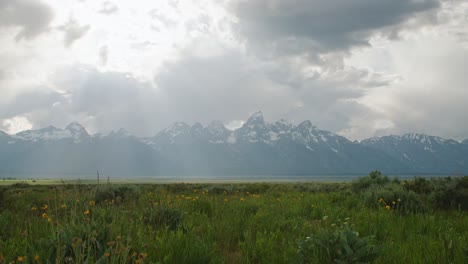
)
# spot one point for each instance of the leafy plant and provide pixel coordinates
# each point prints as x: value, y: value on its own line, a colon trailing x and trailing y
x: 343, y: 245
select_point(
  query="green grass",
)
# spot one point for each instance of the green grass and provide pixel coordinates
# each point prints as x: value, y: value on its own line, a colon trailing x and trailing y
x: 222, y: 223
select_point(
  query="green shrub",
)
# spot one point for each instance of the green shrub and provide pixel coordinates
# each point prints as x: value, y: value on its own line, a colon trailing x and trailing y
x: 393, y: 196
x: 450, y: 193
x: 419, y: 185
x: 374, y: 178
x: 340, y: 246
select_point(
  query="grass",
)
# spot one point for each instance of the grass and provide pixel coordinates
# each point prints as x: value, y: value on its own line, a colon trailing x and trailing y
x: 225, y: 223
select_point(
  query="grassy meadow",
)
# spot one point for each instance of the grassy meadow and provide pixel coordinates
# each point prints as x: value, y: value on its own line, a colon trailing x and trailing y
x: 372, y: 219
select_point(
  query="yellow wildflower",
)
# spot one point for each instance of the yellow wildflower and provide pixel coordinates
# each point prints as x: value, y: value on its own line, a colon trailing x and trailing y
x: 92, y: 203
x: 49, y: 219
x: 242, y: 199
x: 44, y: 215
x: 20, y: 258
x: 36, y: 258
x: 45, y: 207
x: 393, y: 202
x: 63, y: 206
x: 399, y: 200
x: 86, y: 212
x: 387, y: 207
x: 34, y: 208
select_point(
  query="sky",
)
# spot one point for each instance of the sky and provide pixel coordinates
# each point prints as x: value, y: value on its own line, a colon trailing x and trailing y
x: 359, y: 68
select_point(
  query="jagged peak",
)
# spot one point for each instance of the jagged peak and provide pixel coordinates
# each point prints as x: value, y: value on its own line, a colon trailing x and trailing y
x: 46, y: 129
x: 306, y: 124
x: 76, y: 128
x: 421, y: 137
x: 283, y: 124
x: 282, y: 121
x: 256, y: 117
x: 216, y: 125
x: 74, y: 125
x: 196, y: 128
x: 412, y: 137
x: 178, y: 126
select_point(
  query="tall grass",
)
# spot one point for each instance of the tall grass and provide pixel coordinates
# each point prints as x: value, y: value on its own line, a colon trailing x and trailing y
x: 235, y: 223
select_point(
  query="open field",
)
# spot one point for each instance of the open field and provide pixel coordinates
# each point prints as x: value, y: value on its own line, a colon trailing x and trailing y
x: 373, y: 219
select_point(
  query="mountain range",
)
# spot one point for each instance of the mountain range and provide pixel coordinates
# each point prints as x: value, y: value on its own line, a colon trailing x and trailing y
x: 256, y: 148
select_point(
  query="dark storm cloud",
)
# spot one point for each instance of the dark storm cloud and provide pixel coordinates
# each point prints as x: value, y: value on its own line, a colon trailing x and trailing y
x: 29, y: 102
x: 31, y: 16
x: 73, y: 31
x: 297, y: 26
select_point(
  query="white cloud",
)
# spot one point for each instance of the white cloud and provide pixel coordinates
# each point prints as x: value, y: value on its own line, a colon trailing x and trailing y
x: 16, y: 124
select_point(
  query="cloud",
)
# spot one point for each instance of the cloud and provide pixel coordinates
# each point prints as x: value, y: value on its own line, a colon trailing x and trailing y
x: 103, y: 55
x: 430, y: 96
x: 102, y: 101
x: 304, y: 26
x: 73, y: 31
x: 229, y: 86
x: 164, y: 18
x: 27, y: 102
x: 31, y: 16
x: 108, y: 8
x: 15, y: 124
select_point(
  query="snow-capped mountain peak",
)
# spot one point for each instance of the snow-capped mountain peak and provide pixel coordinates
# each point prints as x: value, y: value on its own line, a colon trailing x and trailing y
x: 178, y: 126
x: 256, y: 119
x: 196, y: 129
x: 46, y: 133
x: 76, y: 130
x: 306, y: 125
x: 216, y: 126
